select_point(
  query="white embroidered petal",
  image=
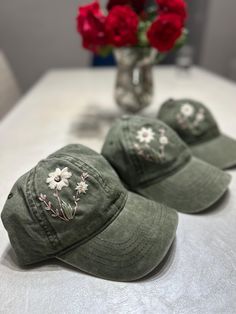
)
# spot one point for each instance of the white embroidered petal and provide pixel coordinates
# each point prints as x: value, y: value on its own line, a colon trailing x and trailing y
x: 187, y: 110
x: 52, y: 185
x: 65, y: 173
x: 57, y: 172
x: 61, y: 184
x: 49, y: 179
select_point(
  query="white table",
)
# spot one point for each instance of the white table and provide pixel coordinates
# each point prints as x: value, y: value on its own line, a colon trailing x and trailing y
x: 199, y: 276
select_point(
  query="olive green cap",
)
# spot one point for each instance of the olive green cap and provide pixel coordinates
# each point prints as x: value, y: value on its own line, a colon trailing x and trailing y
x: 197, y: 127
x: 73, y: 207
x: 153, y: 161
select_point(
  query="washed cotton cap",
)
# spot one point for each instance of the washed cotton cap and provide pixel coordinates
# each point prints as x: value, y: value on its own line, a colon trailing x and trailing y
x: 153, y: 161
x: 73, y: 207
x: 197, y: 127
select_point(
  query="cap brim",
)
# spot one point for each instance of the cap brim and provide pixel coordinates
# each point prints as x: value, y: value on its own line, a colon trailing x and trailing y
x: 220, y: 152
x: 131, y: 246
x: 192, y: 189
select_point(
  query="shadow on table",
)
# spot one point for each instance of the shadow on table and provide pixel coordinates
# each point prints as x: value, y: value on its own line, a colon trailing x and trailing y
x: 96, y: 121
x: 163, y: 267
x: 219, y: 207
x: 9, y: 260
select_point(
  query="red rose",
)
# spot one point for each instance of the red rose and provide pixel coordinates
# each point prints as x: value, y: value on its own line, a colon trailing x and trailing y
x: 164, y: 31
x: 91, y: 26
x: 122, y: 26
x: 178, y: 7
x: 137, y: 5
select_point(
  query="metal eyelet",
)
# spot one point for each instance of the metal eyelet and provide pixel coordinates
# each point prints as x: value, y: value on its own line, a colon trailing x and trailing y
x: 10, y: 196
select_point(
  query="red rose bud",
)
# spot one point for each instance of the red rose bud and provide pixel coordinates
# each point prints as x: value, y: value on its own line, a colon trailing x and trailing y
x: 164, y: 32
x: 91, y: 26
x: 122, y: 26
x: 178, y: 7
x: 137, y: 5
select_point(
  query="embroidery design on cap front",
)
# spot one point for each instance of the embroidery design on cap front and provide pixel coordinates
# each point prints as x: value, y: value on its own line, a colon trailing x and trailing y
x: 190, y: 119
x: 56, y: 181
x: 145, y: 137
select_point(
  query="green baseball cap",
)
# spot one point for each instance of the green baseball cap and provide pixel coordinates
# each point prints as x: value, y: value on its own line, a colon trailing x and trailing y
x: 153, y: 161
x: 197, y: 127
x: 73, y: 207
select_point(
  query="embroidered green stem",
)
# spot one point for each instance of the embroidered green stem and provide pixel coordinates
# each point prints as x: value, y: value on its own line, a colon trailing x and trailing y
x: 60, y: 205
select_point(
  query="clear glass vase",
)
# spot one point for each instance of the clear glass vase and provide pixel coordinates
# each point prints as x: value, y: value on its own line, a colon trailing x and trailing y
x: 134, y: 81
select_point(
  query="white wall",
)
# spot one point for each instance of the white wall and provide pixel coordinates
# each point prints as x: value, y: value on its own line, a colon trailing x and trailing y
x: 219, y: 43
x: 40, y: 34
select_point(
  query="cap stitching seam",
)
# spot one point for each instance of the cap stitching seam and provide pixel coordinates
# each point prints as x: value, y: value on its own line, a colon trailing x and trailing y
x: 121, y: 203
x: 133, y: 258
x: 203, y: 140
x: 53, y: 239
x: 135, y: 233
x: 166, y: 174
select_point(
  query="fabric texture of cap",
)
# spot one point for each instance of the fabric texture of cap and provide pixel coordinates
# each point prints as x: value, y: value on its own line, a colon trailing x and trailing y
x: 153, y: 161
x: 197, y: 127
x: 73, y: 207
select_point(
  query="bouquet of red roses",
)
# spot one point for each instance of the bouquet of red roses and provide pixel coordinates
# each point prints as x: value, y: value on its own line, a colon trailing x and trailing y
x: 132, y: 23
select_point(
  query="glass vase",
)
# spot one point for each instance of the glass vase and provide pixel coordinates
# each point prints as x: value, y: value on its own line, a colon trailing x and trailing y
x: 134, y: 81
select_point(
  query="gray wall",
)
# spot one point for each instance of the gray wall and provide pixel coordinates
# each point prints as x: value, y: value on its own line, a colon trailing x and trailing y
x: 219, y: 42
x: 196, y: 24
x: 37, y: 35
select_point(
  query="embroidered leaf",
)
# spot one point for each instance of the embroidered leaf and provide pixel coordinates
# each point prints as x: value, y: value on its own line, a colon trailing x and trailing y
x: 84, y: 176
x: 68, y: 210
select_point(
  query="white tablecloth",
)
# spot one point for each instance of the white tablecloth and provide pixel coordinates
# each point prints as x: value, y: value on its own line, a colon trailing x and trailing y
x: 199, y: 274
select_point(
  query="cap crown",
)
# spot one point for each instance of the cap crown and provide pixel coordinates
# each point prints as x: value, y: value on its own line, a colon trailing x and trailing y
x: 143, y: 149
x: 190, y: 119
x: 65, y: 200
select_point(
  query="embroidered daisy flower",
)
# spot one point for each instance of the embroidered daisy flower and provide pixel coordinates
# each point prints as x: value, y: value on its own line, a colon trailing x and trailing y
x: 187, y: 110
x: 59, y: 178
x: 81, y: 187
x: 145, y: 135
x: 164, y: 140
